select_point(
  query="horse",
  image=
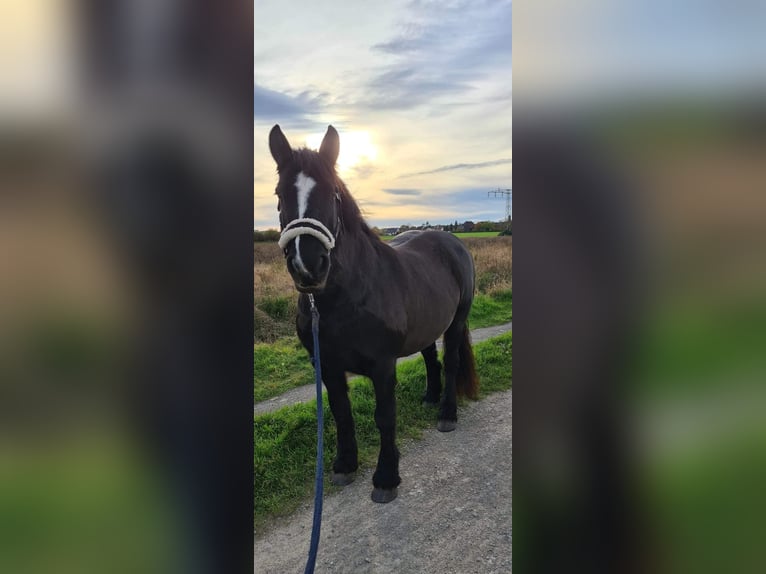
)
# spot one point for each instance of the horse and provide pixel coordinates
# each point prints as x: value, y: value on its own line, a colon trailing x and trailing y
x: 377, y: 302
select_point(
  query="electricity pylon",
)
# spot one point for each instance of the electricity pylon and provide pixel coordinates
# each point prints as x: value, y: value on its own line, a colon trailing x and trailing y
x: 508, y: 193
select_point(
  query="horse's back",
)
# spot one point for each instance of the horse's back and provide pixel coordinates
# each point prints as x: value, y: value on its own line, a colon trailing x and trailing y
x: 437, y: 281
x: 432, y: 251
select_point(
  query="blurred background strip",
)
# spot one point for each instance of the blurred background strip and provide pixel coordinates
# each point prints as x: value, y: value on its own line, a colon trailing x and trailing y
x: 640, y: 164
x: 125, y: 298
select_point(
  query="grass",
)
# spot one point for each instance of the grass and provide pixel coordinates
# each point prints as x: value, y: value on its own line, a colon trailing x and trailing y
x: 285, y: 440
x: 494, y: 309
x: 476, y: 234
x: 279, y: 367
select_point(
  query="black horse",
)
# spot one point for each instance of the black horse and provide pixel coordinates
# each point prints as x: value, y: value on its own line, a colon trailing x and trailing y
x: 377, y: 301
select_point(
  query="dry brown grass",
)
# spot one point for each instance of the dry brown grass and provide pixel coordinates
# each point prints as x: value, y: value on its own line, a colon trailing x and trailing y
x: 270, y: 277
x: 275, y: 296
x: 493, y: 258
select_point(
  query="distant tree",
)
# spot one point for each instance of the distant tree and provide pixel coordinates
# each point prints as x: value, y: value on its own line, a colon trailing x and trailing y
x: 376, y: 231
x: 483, y: 226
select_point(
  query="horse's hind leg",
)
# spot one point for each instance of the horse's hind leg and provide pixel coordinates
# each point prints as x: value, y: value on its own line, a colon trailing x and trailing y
x: 386, y: 477
x: 433, y: 376
x: 452, y: 339
x: 345, y: 463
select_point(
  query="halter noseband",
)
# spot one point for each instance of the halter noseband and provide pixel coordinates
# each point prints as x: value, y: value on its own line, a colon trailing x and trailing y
x: 307, y: 226
x: 313, y: 227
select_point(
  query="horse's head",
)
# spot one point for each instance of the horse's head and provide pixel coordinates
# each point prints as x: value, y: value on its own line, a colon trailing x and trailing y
x: 309, y: 207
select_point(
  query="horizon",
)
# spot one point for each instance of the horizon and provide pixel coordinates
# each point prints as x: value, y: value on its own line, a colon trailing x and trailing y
x: 430, y: 223
x: 420, y: 95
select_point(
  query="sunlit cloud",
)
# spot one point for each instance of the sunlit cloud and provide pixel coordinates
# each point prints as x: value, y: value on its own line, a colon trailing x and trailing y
x: 356, y: 148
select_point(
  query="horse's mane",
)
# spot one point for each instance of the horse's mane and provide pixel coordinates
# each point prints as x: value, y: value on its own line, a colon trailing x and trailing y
x: 352, y: 220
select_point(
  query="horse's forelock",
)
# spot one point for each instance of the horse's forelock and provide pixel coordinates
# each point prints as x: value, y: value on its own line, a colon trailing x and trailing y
x: 310, y: 162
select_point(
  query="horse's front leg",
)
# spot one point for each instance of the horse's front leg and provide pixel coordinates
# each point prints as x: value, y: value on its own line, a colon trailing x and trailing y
x: 386, y: 477
x: 345, y: 464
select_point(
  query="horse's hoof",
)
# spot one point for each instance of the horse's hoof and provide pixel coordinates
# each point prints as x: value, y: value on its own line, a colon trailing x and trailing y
x: 446, y: 426
x: 384, y: 495
x: 342, y: 479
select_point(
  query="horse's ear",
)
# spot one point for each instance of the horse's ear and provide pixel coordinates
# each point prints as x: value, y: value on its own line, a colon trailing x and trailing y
x: 280, y: 147
x: 330, y: 146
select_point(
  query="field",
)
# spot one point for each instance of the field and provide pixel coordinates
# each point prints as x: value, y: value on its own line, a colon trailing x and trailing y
x: 276, y: 298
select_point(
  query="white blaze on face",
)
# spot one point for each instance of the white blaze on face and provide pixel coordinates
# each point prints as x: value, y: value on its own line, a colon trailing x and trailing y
x: 304, y: 184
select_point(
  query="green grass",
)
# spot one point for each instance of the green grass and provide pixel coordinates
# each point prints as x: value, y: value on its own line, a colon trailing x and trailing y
x: 285, y: 440
x: 488, y: 310
x: 477, y: 234
x: 459, y: 234
x: 279, y: 367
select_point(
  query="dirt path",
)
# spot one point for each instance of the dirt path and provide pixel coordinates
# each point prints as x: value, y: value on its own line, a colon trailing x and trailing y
x: 307, y: 392
x: 453, y: 513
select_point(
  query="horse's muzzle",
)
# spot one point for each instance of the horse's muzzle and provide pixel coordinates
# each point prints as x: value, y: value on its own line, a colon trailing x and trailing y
x: 309, y: 275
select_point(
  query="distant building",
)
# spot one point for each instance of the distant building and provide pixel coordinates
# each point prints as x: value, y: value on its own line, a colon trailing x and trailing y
x: 468, y: 226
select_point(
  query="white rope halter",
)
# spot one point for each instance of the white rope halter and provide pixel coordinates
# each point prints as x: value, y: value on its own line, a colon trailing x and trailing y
x: 303, y: 226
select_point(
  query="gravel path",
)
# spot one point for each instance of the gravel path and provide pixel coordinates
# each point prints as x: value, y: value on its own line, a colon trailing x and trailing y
x: 453, y: 513
x: 307, y: 392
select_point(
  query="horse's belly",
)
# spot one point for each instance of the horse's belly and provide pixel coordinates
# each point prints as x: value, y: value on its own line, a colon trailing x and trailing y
x: 418, y: 339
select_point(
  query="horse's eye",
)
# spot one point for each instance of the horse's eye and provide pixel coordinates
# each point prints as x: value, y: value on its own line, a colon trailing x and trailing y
x: 279, y: 205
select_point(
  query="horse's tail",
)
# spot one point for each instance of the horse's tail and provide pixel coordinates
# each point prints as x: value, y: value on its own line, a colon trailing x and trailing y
x: 467, y: 382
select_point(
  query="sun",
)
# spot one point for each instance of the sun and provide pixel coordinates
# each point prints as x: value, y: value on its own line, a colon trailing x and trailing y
x: 356, y: 147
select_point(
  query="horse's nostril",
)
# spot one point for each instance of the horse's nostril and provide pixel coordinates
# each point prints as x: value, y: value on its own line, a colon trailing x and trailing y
x: 324, y: 263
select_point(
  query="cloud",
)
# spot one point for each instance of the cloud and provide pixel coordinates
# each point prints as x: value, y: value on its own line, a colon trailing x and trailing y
x: 363, y: 170
x: 294, y: 111
x: 411, y: 192
x: 457, y: 166
x: 406, y: 88
x: 436, y: 54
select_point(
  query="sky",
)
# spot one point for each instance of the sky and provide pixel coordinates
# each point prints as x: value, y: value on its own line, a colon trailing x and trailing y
x: 420, y: 92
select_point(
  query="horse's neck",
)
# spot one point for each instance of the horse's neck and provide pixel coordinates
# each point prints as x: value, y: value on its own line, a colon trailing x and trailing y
x: 359, y: 259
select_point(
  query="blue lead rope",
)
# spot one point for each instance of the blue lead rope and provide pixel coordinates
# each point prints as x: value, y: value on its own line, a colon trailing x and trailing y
x: 319, y: 481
